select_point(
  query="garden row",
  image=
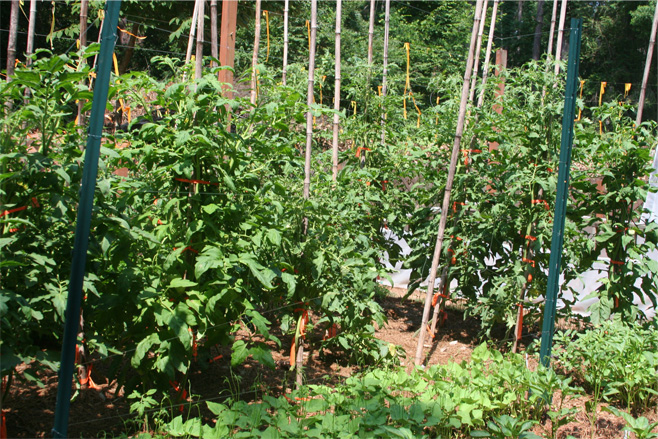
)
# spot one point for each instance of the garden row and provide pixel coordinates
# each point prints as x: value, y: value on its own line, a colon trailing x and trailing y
x: 206, y: 235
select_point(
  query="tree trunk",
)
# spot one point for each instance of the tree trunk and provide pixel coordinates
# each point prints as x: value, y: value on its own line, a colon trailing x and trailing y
x: 647, y: 68
x: 13, y: 36
x: 371, y: 30
x: 536, y: 47
x: 198, y: 67
x: 551, y: 33
x: 307, y: 161
x: 477, y: 52
x: 487, y: 57
x: 560, y: 36
x: 334, y: 155
x: 387, y: 18
x: 130, y: 50
x: 451, y: 177
x: 190, y: 38
x: 214, y: 46
x: 254, y: 59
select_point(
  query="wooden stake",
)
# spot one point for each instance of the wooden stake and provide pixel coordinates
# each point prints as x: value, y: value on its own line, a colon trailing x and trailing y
x: 451, y: 177
x: 254, y: 59
x: 371, y: 30
x: 474, y: 78
x: 198, y: 68
x: 214, y: 45
x: 387, y: 17
x: 307, y: 161
x: 647, y: 68
x: 334, y: 155
x: 560, y: 36
x: 227, y: 43
x: 485, y: 69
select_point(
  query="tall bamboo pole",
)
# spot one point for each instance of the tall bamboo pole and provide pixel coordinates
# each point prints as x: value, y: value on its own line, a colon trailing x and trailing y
x: 198, y: 68
x: 30, y: 31
x: 254, y: 59
x: 286, y: 9
x: 371, y: 30
x: 190, y: 38
x: 13, y: 36
x: 387, y: 18
x: 551, y: 33
x: 474, y: 78
x: 334, y: 151
x: 647, y: 68
x: 560, y: 35
x: 451, y: 177
x: 487, y: 57
x: 307, y: 157
x: 214, y: 45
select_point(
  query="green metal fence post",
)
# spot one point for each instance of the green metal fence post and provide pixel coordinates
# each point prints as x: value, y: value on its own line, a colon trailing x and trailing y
x: 88, y: 187
x: 562, y: 192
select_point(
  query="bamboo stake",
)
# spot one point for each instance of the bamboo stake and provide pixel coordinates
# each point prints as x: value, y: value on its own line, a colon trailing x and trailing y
x: 371, y: 30
x: 451, y: 177
x: 190, y: 38
x: 560, y: 36
x: 84, y: 10
x: 647, y: 68
x: 387, y: 17
x: 284, y: 74
x: 334, y: 155
x: 30, y: 31
x: 198, y: 68
x: 474, y: 78
x: 214, y: 45
x: 485, y: 69
x: 11, y: 43
x: 551, y: 33
x: 254, y: 59
x: 307, y: 161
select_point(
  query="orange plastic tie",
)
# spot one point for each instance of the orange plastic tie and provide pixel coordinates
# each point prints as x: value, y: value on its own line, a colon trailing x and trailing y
x: 3, y: 427
x: 530, y: 238
x: 359, y: 149
x: 529, y: 261
x: 616, y: 262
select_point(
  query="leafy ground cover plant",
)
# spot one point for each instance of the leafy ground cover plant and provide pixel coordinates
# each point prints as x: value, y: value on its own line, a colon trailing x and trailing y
x: 615, y: 360
x: 443, y: 401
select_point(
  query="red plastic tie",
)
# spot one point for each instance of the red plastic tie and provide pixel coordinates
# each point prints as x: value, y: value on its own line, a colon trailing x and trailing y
x: 616, y: 262
x: 185, y: 180
x: 541, y: 202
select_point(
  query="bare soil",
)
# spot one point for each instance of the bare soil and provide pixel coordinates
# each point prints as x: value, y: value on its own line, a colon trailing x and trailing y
x: 29, y: 409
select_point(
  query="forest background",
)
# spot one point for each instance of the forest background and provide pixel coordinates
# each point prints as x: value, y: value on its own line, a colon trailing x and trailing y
x: 615, y: 38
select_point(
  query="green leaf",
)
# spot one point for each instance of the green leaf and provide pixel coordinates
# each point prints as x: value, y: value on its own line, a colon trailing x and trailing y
x: 181, y: 283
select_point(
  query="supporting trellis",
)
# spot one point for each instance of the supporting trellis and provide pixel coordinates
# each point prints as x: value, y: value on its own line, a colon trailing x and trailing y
x: 334, y: 149
x: 560, y: 36
x: 284, y: 73
x: 647, y: 68
x: 387, y: 17
x: 449, y: 182
x: 83, y: 224
x: 557, y: 239
x: 371, y: 31
x: 478, y: 45
x: 487, y: 57
x: 198, y: 66
x: 254, y: 58
x: 307, y: 172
